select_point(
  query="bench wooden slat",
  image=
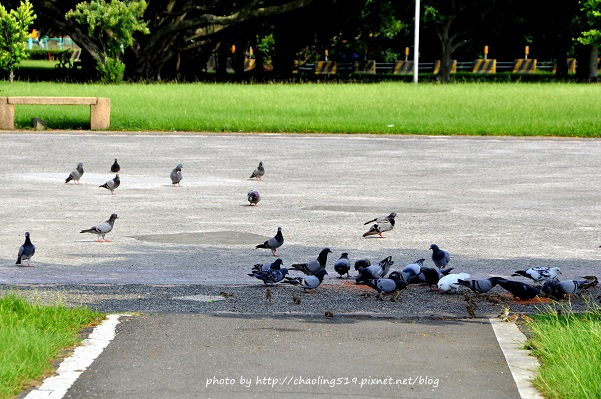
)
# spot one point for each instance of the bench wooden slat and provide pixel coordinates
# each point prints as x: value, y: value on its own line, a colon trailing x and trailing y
x: 52, y: 100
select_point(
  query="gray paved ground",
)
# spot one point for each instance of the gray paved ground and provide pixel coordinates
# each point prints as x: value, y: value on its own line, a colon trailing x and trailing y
x: 234, y: 356
x: 497, y: 205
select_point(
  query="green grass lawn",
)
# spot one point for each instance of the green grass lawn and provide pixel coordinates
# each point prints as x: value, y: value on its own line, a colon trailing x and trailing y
x: 518, y: 109
x: 568, y: 346
x: 32, y: 336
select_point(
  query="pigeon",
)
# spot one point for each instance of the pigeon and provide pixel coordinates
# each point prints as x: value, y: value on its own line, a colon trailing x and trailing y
x: 375, y: 272
x: 440, y: 257
x: 312, y: 267
x: 518, y: 289
x: 271, y: 276
x: 414, y: 268
x: 449, y: 283
x: 386, y: 285
x: 307, y: 282
x: 258, y: 172
x: 274, y: 242
x: 429, y: 276
x: 398, y: 275
x: 539, y: 274
x: 112, y: 184
x: 343, y: 265
x: 381, y: 225
x: 26, y: 251
x: 253, y: 197
x: 102, y: 228
x: 362, y: 263
x: 75, y: 174
x: 275, y: 265
x: 559, y: 289
x: 176, y: 175
x: 481, y: 285
x: 115, y: 168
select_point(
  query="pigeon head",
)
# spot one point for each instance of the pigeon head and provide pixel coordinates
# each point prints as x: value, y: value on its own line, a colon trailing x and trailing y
x: 278, y: 262
x: 114, y: 216
x: 392, y: 215
x: 434, y: 247
x: 27, y: 234
x: 344, y: 255
x: 320, y: 274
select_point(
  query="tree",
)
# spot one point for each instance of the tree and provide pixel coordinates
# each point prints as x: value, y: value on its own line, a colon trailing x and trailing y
x: 112, y: 25
x: 591, y: 38
x: 14, y: 30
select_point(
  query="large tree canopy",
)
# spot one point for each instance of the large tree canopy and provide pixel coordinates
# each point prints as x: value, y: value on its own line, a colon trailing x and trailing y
x: 181, y: 31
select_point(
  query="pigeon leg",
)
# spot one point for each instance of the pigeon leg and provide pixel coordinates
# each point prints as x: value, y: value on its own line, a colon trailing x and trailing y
x: 273, y: 252
x: 381, y: 236
x: 105, y: 240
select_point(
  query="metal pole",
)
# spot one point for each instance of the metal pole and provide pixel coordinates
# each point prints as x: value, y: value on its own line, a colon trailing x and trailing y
x: 416, y: 42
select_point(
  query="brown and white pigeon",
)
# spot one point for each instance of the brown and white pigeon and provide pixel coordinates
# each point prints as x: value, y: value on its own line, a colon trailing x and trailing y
x: 381, y: 225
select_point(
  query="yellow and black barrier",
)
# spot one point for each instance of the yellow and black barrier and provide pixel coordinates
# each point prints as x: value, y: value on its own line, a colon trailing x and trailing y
x: 571, y: 66
x: 403, y: 67
x: 485, y: 66
x: 437, y: 67
x: 325, y: 67
x: 249, y: 64
x: 366, y: 67
x: 524, y: 65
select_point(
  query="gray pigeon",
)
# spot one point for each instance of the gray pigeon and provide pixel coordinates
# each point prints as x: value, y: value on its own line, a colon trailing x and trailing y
x: 274, y: 242
x: 559, y: 289
x: 307, y: 282
x: 176, y: 175
x: 258, y: 172
x: 26, y: 251
x: 76, y: 174
x: 115, y: 168
x: 343, y: 265
x: 253, y: 197
x: 375, y: 272
x: 539, y: 274
x: 102, y: 228
x: 381, y: 225
x: 111, y: 185
x: 386, y: 285
x: 275, y: 265
x: 362, y: 263
x: 271, y: 276
x: 479, y: 285
x: 313, y: 266
x: 440, y: 257
x: 413, y: 269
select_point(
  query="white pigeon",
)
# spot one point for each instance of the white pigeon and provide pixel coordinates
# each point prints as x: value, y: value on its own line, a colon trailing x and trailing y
x: 539, y: 274
x: 449, y: 282
x: 103, y: 228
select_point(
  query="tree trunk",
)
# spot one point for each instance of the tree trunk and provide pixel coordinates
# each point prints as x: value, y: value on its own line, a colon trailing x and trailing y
x: 586, y: 58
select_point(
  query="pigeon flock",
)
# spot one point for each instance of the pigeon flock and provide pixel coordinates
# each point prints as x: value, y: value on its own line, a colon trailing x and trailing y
x: 439, y: 278
x: 379, y: 276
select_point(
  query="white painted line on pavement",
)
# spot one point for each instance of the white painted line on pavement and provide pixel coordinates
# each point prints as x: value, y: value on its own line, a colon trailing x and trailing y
x: 521, y: 364
x: 72, y: 367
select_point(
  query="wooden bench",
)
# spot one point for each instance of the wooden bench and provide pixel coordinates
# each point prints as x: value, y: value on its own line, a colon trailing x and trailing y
x: 100, y: 109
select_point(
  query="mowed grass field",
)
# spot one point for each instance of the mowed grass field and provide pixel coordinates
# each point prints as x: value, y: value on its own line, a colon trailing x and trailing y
x: 517, y: 109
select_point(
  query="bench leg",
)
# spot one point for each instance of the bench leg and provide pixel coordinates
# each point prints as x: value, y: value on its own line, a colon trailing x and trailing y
x: 7, y: 115
x: 100, y: 114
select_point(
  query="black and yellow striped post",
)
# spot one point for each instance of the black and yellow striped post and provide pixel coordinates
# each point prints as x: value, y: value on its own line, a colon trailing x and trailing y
x: 437, y: 67
x: 524, y: 65
x: 249, y: 64
x: 325, y: 68
x: 368, y: 66
x: 403, y: 67
x: 485, y: 66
